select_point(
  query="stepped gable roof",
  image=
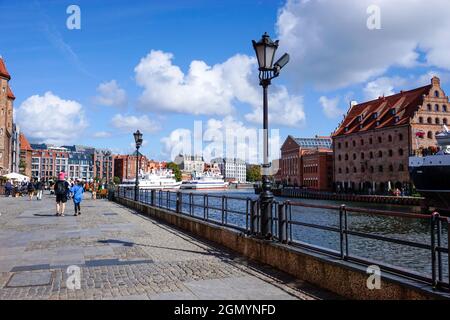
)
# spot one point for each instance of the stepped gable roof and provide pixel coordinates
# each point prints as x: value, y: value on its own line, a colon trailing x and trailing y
x: 24, y: 144
x: 383, y: 112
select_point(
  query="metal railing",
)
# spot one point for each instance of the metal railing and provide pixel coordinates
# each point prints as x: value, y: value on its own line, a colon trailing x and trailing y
x: 243, y: 215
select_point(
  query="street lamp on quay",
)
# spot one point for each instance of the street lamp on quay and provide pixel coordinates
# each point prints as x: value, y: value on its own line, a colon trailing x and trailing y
x: 138, y: 139
x: 265, y: 53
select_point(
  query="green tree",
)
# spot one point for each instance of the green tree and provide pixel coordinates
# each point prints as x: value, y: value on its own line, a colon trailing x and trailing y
x: 116, y: 180
x: 175, y: 169
x: 22, y: 166
x: 254, y: 173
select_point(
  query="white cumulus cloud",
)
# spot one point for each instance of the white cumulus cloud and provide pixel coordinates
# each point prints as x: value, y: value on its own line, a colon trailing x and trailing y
x: 330, y: 107
x: 102, y: 134
x: 212, y: 90
x: 51, y: 119
x: 331, y: 46
x: 130, y: 123
x: 111, y: 94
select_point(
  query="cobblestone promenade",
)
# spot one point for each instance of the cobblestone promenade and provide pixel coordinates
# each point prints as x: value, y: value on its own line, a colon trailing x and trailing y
x: 122, y: 255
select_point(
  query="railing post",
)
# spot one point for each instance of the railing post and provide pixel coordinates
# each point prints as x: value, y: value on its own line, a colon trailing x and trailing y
x: 223, y: 210
x: 282, y: 234
x: 341, y: 230
x: 178, y: 207
x: 152, y: 197
x: 253, y: 217
x: 433, y: 249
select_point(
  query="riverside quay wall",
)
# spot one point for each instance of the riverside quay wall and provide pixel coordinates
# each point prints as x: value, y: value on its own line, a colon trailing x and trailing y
x: 341, y: 277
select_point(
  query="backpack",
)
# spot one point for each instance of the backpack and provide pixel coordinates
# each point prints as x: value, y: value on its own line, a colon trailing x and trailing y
x: 30, y: 186
x: 60, y: 188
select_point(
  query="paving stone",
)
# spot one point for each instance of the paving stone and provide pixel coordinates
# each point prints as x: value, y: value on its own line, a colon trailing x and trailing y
x: 27, y: 279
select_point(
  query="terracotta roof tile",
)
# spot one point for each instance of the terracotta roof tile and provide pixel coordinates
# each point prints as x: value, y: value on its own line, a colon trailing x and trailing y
x: 377, y: 113
x: 24, y: 144
x: 3, y: 71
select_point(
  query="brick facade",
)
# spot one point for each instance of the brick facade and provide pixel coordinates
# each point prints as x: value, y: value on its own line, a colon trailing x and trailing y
x: 373, y: 143
x: 317, y: 170
x: 6, y: 119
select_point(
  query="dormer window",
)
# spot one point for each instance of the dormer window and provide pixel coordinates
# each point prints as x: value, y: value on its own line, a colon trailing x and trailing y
x: 393, y: 111
x: 346, y: 129
x: 375, y: 115
x: 396, y: 119
x: 378, y: 123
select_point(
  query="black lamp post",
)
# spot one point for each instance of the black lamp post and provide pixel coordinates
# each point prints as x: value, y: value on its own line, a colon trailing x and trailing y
x: 138, y: 139
x: 265, y: 52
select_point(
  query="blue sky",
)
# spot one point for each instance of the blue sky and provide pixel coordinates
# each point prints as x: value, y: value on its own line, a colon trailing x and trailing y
x: 329, y: 65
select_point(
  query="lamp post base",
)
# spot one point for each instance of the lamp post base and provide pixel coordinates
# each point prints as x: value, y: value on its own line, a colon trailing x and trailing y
x: 266, y: 200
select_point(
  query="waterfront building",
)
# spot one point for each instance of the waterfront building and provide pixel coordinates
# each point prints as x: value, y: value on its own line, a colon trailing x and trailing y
x: 317, y: 169
x: 25, y: 156
x: 125, y: 165
x: 373, y: 142
x: 48, y: 161
x: 291, y: 162
x: 232, y: 169
x: 6, y: 119
x: 103, y: 165
x: 189, y: 164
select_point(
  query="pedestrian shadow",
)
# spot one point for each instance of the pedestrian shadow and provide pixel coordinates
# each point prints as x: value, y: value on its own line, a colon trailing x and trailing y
x: 114, y: 241
x: 43, y: 215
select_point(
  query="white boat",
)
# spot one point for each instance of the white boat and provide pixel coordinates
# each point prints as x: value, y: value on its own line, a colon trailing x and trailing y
x: 208, y: 180
x: 161, y: 179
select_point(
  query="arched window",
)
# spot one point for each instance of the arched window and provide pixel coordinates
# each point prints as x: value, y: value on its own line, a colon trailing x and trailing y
x: 380, y: 139
x: 380, y: 154
x: 339, y: 145
x: 390, y: 153
x: 400, y: 137
x: 401, y: 168
x: 354, y: 156
x: 391, y: 168
x: 380, y: 168
x: 362, y: 142
x: 371, y: 170
x: 346, y: 157
x: 390, y: 138
x: 429, y: 108
x: 444, y: 108
x: 354, y: 143
x: 363, y: 169
x: 355, y: 170
x: 437, y: 121
x: 444, y: 121
x: 371, y: 155
x: 436, y: 94
x: 346, y: 170
x: 400, y: 152
x: 340, y: 157
x: 340, y: 170
x: 429, y: 120
x: 370, y: 141
x: 420, y: 119
x: 436, y: 107
x: 362, y: 155
x: 346, y: 144
x: 430, y: 135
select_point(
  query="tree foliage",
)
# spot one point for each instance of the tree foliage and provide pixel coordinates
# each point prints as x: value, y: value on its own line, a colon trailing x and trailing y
x: 175, y: 169
x: 254, y: 173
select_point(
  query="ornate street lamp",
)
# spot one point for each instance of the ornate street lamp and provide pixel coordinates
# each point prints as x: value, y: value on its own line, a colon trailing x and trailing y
x: 265, y: 53
x: 138, y: 139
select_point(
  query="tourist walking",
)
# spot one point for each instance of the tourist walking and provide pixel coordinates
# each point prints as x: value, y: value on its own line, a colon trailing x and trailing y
x: 8, y: 188
x: 77, y: 195
x: 61, y: 190
x: 30, y: 188
x: 40, y: 188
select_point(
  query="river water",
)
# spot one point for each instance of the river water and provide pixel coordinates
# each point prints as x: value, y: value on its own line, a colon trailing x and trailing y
x: 413, y: 259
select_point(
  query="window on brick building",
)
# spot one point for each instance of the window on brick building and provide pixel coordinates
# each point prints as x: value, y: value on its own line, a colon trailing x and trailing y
x: 429, y: 120
x: 444, y: 121
x: 371, y: 155
x: 380, y: 139
x: 436, y: 94
x: 444, y: 108
x: 436, y: 107
x: 400, y: 152
x: 429, y: 108
x: 346, y: 144
x: 346, y: 157
x: 362, y: 142
x: 370, y: 141
x: 362, y: 155
x: 340, y: 170
x: 354, y: 143
x: 391, y: 168
x: 420, y: 119
x: 437, y: 121
x: 380, y: 168
x: 371, y: 170
x: 380, y: 154
x: 346, y: 170
x: 354, y: 156
x: 390, y: 138
x: 339, y: 145
x: 363, y: 170
x: 400, y: 137
x: 401, y: 168
x: 339, y: 157
x: 391, y: 153
x: 355, y: 170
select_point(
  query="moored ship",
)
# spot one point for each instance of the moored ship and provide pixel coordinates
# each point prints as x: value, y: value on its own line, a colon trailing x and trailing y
x: 161, y: 179
x: 209, y: 180
x: 430, y: 172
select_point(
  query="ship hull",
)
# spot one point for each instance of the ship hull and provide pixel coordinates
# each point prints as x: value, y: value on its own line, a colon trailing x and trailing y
x: 433, y: 182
